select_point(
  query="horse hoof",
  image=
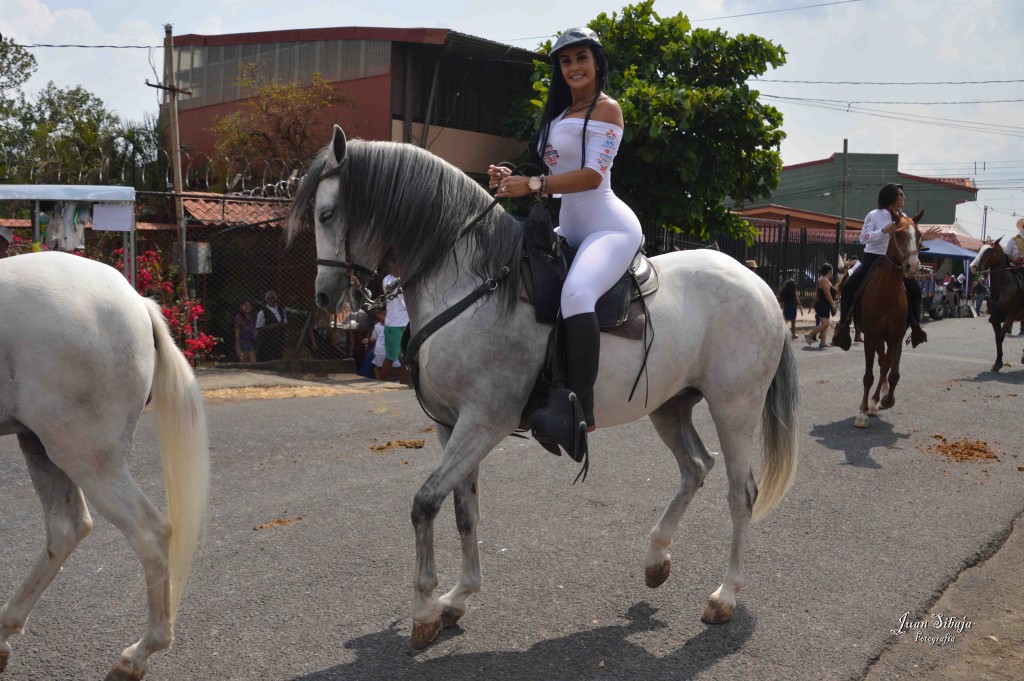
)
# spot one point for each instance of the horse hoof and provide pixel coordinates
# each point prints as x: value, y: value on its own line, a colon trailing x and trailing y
x: 997, y: 367
x: 450, y: 617
x: 424, y: 633
x: 861, y: 421
x: 655, y: 575
x: 717, y: 613
x: 888, y: 404
x: 124, y: 670
x: 4, y: 657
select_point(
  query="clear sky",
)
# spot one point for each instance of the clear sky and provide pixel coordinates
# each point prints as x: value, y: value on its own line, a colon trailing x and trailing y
x: 860, y: 41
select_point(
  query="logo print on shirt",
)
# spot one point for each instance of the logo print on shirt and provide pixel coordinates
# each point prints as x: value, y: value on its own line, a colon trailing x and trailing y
x: 550, y: 156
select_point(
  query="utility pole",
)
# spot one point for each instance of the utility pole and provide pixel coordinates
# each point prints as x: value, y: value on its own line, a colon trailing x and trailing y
x: 842, y: 199
x: 171, y: 88
x: 984, y: 217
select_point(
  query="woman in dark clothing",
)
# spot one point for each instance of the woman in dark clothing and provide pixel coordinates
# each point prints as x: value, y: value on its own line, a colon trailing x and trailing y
x: 790, y: 303
x: 824, y: 306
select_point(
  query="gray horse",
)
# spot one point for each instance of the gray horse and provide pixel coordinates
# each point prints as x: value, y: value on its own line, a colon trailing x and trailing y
x: 719, y: 337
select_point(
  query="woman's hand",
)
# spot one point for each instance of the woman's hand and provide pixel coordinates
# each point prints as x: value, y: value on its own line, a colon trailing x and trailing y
x: 495, y: 174
x: 513, y: 186
x: 931, y: 233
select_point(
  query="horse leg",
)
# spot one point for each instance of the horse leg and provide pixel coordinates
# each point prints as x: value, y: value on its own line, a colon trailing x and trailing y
x: 869, y: 377
x: 889, y: 399
x: 471, y: 440
x: 674, y: 424
x: 467, y: 514
x: 1000, y: 331
x: 885, y: 351
x: 735, y: 422
x: 118, y: 498
x: 67, y: 523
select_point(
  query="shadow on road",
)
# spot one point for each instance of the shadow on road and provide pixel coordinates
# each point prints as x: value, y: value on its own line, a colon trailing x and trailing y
x: 1012, y: 377
x: 857, y: 443
x: 387, y: 655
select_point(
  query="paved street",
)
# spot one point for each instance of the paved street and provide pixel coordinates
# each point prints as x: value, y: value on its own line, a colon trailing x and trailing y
x: 306, y: 568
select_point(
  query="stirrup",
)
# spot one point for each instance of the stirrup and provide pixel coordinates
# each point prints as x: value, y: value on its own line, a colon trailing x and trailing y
x: 917, y: 336
x: 562, y: 424
x: 841, y: 338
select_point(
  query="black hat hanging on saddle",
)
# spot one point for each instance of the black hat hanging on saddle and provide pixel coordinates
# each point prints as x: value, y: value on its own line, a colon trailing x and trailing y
x: 574, y: 36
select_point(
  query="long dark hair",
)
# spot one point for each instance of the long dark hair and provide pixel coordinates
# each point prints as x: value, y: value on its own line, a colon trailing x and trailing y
x: 887, y: 195
x: 560, y: 99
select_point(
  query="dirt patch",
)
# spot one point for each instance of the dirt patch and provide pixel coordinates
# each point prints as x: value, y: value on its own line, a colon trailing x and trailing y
x: 963, y: 449
x: 396, y: 444
x: 274, y: 392
x: 279, y: 522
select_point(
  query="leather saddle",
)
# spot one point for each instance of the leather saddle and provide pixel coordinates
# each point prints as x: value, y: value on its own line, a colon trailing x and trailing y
x: 546, y: 261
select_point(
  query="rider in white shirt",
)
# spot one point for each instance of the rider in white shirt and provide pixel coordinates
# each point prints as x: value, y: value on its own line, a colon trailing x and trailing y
x: 878, y: 225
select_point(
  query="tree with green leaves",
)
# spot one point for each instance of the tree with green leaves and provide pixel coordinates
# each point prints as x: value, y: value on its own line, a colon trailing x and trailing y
x: 696, y: 133
x: 278, y: 122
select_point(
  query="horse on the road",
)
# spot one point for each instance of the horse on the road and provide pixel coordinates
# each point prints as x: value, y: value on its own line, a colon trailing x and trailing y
x: 81, y: 354
x: 1006, y: 301
x: 719, y: 337
x: 882, y: 315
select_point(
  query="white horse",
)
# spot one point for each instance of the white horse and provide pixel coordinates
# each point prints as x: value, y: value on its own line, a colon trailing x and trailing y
x: 81, y: 354
x: 719, y: 336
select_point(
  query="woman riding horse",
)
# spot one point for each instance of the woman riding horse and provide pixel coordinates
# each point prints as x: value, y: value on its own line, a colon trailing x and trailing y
x: 1006, y: 301
x: 878, y: 225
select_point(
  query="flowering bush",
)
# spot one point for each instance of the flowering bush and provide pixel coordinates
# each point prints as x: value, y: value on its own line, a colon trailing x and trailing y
x: 182, y: 313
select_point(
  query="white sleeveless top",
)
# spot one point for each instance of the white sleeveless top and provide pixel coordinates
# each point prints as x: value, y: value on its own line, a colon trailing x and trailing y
x: 599, y: 209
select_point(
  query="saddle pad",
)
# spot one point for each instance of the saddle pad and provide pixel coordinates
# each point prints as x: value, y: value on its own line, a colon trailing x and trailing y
x: 619, y: 311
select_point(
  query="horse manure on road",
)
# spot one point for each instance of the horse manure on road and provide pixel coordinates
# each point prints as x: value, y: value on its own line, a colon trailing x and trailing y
x: 395, y: 443
x: 963, y: 449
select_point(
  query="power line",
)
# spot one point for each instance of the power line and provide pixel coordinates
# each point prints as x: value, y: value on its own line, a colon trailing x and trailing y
x: 774, y: 11
x: 95, y: 47
x: 878, y: 101
x: 731, y: 16
x: 887, y: 82
x: 990, y: 128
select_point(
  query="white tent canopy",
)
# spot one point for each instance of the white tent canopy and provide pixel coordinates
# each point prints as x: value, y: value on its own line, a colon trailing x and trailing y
x: 65, y: 192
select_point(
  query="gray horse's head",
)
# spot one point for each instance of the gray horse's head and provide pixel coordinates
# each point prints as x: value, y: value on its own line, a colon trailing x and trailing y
x: 372, y: 198
x: 343, y: 258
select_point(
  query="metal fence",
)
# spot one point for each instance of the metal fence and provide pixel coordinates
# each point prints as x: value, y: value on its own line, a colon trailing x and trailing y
x: 232, y: 257
x: 780, y: 251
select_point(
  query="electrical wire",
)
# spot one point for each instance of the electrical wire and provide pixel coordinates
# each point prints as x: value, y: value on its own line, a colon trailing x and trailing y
x: 880, y: 101
x: 887, y: 82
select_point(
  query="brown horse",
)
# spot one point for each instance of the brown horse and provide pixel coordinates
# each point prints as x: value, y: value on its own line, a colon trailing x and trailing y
x: 883, y: 315
x: 1006, y: 302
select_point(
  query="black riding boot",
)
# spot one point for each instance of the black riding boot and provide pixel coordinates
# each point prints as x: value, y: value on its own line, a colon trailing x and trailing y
x: 583, y: 347
x: 841, y: 338
x: 917, y: 334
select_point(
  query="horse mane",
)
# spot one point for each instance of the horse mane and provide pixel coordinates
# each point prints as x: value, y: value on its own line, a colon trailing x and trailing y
x: 403, y: 197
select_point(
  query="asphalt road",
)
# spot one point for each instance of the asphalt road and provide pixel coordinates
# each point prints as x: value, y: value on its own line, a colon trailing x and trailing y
x: 875, y: 526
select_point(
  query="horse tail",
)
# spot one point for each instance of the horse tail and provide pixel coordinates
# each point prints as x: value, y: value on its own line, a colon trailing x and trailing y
x: 184, y: 451
x: 779, y: 431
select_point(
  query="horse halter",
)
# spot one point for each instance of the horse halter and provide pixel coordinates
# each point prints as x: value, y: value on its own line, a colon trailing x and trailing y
x: 895, y: 242
x: 355, y: 273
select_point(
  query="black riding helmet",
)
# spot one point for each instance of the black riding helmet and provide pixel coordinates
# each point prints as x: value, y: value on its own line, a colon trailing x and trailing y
x: 574, y: 36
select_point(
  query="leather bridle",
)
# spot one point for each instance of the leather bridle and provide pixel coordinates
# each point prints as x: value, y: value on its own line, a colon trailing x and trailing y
x: 895, y: 242
x: 359, y: 277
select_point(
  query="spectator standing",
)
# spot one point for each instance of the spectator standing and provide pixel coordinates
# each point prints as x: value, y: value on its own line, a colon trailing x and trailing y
x: 824, y: 306
x: 245, y: 332
x: 323, y: 337
x: 790, y: 303
x: 395, y: 321
x: 980, y: 294
x: 270, y: 325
